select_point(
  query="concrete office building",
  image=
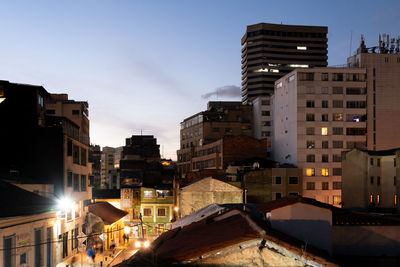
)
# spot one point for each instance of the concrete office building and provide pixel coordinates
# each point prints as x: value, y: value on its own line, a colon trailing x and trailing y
x: 270, y: 51
x: 317, y: 113
x: 383, y: 87
x: 370, y: 179
x: 219, y: 120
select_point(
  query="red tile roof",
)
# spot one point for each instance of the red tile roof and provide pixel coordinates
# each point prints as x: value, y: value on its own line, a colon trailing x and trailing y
x: 107, y: 212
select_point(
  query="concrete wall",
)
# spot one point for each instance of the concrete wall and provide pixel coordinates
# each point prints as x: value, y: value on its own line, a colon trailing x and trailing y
x: 309, y: 224
x: 366, y: 240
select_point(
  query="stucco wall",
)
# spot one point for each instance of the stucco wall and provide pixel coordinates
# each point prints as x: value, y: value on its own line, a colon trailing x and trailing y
x: 366, y: 240
x: 309, y: 224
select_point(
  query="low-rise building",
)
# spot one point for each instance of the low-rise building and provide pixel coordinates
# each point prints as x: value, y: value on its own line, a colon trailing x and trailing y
x: 370, y: 179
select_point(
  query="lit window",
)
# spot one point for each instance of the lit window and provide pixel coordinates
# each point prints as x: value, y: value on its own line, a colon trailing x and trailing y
x: 324, y: 131
x: 147, y: 212
x: 310, y: 172
x: 147, y: 194
x: 2, y: 98
x: 261, y: 70
x: 325, y: 172
x: 337, y: 200
x: 274, y: 70
x: 371, y: 199
x: 378, y: 199
x: 298, y: 65
x: 395, y: 200
x: 301, y: 47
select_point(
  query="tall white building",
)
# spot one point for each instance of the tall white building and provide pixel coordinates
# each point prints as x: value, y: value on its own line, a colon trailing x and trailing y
x: 317, y: 113
x: 262, y: 118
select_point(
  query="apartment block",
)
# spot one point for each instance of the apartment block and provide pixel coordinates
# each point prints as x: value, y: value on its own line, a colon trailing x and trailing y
x: 269, y: 51
x: 370, y: 179
x: 219, y: 120
x: 318, y: 113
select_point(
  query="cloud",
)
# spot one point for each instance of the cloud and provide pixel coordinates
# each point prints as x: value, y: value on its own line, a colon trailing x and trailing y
x: 224, y: 91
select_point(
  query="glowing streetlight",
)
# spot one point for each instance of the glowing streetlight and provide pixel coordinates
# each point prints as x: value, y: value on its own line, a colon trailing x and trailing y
x: 127, y: 230
x: 176, y: 209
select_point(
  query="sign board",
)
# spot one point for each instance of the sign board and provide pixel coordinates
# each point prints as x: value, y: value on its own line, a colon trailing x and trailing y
x: 82, y: 247
x: 103, y: 236
x: 81, y: 237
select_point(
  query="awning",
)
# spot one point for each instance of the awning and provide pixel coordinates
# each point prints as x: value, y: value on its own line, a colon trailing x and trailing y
x: 107, y: 212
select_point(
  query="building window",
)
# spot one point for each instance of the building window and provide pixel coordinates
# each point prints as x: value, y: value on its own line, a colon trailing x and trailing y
x: 75, y: 156
x: 310, y: 103
x: 325, y: 158
x: 325, y: 185
x: 310, y: 158
x: 337, y: 90
x: 266, y: 123
x: 325, y: 144
x: 147, y: 194
x: 310, y: 185
x: 76, y: 182
x: 278, y: 195
x: 228, y: 130
x: 337, y: 171
x: 278, y: 180
x: 324, y: 90
x: 324, y: 117
x: 337, y: 158
x: 310, y: 144
x: 356, y: 104
x: 337, y: 103
x: 337, y: 185
x: 324, y: 104
x: 371, y: 199
x: 360, y: 145
x: 371, y: 161
x: 147, y: 212
x: 394, y: 162
x: 215, y: 130
x: 161, y: 212
x: 356, y: 131
x: 310, y: 90
x: 378, y: 162
x: 265, y: 102
x: 371, y: 180
x: 324, y: 131
x: 310, y: 172
x: 337, y: 200
x: 75, y: 112
x: 395, y: 200
x: 337, y: 116
x: 337, y: 77
x: 337, y: 144
x: 265, y: 133
x: 265, y: 113
x: 306, y: 76
x: 325, y: 172
x: 83, y: 157
x: 293, y: 180
x: 310, y: 117
x: 310, y: 131
x: 83, y: 183
x: 378, y: 180
x: 337, y: 131
x: 324, y: 76
x: 378, y: 199
x: 356, y: 91
x: 69, y: 179
x: 394, y: 180
x: 69, y: 148
x: 51, y: 111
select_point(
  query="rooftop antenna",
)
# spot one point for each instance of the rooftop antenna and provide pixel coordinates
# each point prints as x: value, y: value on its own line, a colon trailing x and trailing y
x: 351, y: 39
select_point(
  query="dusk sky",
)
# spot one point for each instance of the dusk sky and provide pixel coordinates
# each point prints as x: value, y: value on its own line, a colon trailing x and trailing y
x: 147, y: 65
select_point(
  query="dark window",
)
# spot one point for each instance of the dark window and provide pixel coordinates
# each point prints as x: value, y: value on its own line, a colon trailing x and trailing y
x: 310, y: 185
x: 51, y: 111
x: 394, y: 180
x: 160, y: 212
x: 337, y: 103
x: 293, y: 180
x: 325, y: 144
x: 337, y: 171
x: 356, y: 91
x: 38, y: 248
x: 310, y: 103
x: 337, y: 185
x: 371, y: 179
x: 265, y: 113
x: 83, y: 157
x: 371, y: 161
x: 75, y: 154
x: 337, y: 144
x: 69, y: 179
x: 310, y: 131
x: 337, y: 131
x: 278, y: 180
x: 356, y: 131
x: 378, y: 162
x: 310, y: 117
x: 76, y: 182
x: 278, y: 195
x: 356, y: 104
x: 337, y: 158
x: 69, y: 148
x: 324, y: 104
x: 146, y: 212
x: 310, y: 144
x: 337, y: 90
x: 215, y: 130
x: 324, y: 76
x: 310, y: 158
x: 325, y: 185
x: 337, y: 76
x: 324, y: 117
x: 306, y: 76
x: 378, y: 180
x: 83, y: 183
x: 75, y: 112
x: 394, y: 162
x: 265, y: 102
x: 325, y: 158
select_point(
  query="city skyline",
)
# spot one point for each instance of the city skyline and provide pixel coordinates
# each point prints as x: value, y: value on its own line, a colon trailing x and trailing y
x: 130, y: 60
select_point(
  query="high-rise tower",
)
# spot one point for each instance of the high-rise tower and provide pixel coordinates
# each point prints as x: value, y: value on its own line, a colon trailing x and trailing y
x: 269, y: 51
